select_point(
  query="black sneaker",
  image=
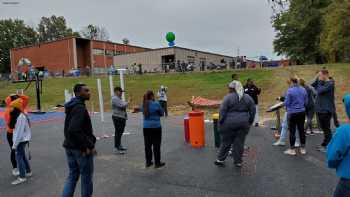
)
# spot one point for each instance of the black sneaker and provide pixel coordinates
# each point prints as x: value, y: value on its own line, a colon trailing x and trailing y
x: 219, y: 163
x: 256, y: 124
x: 159, y: 165
x: 122, y: 148
x: 118, y: 151
x: 238, y: 165
x: 149, y: 164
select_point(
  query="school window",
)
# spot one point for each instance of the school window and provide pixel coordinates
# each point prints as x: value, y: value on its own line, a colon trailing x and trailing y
x: 109, y: 52
x: 119, y: 53
x: 98, y: 51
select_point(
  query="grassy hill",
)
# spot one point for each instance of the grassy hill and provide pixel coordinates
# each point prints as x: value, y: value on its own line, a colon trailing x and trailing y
x: 182, y: 87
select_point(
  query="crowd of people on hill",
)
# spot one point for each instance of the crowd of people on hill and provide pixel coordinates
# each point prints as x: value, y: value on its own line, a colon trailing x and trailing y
x: 238, y: 113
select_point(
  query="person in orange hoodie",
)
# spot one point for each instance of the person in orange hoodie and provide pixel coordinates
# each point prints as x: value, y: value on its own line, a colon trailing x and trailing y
x: 10, y: 127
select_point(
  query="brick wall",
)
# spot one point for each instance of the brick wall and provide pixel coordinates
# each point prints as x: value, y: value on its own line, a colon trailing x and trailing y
x: 55, y: 56
x: 60, y: 55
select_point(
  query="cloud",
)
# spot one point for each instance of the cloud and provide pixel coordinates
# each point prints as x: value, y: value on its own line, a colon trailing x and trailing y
x: 219, y: 26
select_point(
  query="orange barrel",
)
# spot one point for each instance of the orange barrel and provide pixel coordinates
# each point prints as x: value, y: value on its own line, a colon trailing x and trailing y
x: 186, y: 129
x: 196, y: 126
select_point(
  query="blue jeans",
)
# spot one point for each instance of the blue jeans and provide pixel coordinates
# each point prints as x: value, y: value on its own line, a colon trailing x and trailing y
x: 343, y: 188
x: 284, y: 131
x: 79, y: 165
x: 22, y: 161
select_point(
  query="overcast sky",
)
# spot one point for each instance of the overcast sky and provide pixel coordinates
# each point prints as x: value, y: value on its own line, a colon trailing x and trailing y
x: 219, y: 26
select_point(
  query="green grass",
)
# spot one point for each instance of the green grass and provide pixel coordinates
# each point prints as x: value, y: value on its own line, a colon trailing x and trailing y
x: 182, y: 87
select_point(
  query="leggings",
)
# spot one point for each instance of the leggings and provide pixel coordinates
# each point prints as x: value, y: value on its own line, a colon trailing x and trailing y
x: 13, y: 153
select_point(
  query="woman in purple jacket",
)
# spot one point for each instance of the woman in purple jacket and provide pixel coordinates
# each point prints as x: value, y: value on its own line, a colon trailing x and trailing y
x: 296, y: 100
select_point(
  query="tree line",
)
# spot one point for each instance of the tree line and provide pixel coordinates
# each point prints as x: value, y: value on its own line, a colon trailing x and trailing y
x: 15, y: 33
x: 312, y: 31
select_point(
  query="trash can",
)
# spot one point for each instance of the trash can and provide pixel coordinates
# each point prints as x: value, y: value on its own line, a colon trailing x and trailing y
x: 187, y: 128
x: 216, y: 130
x: 196, y: 126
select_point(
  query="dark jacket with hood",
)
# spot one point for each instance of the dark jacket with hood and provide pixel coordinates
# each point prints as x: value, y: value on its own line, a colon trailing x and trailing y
x: 253, y: 92
x: 235, y: 113
x: 325, y: 96
x: 78, y: 132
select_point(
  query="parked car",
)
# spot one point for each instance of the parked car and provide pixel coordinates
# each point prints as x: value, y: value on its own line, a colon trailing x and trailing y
x: 74, y: 72
x: 112, y: 71
x: 221, y: 67
x: 211, y: 66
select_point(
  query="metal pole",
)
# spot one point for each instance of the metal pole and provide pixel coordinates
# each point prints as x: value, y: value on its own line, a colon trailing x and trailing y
x: 100, y: 97
x: 121, y: 74
x: 111, y: 85
x: 37, y: 87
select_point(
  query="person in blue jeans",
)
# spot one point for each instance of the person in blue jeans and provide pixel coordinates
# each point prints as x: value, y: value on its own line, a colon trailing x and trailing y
x: 338, y: 154
x: 79, y: 143
x: 152, y: 129
x: 282, y: 141
x: 296, y: 100
x: 21, y: 137
x: 284, y: 127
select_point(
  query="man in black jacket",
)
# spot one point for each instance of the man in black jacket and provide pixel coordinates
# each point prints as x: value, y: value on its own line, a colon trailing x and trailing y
x: 325, y: 105
x: 253, y: 91
x: 79, y: 142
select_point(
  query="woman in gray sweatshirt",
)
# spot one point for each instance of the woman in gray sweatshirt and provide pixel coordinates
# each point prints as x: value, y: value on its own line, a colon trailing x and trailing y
x: 237, y: 113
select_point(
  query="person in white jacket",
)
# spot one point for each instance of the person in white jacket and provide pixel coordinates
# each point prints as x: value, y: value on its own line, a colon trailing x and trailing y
x: 163, y: 99
x: 21, y: 137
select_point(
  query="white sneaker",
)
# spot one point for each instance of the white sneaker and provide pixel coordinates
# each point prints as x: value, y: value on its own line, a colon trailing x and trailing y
x: 118, y: 152
x: 29, y: 174
x: 297, y: 144
x: 290, y: 152
x: 318, y: 131
x: 279, y: 143
x: 19, y: 181
x: 15, y: 172
x: 322, y: 149
x: 302, y: 151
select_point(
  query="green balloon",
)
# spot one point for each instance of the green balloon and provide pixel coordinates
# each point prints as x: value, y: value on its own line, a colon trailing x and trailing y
x: 170, y: 37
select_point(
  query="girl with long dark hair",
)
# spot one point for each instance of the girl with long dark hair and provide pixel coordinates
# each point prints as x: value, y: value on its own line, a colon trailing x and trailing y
x: 10, y: 119
x: 21, y: 137
x: 152, y: 129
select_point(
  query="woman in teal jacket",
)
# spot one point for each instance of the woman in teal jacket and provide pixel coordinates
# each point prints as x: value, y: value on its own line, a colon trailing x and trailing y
x: 338, y: 154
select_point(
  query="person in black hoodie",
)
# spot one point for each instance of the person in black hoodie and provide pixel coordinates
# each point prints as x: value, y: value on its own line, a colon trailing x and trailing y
x: 324, y: 105
x: 79, y: 143
x: 253, y: 91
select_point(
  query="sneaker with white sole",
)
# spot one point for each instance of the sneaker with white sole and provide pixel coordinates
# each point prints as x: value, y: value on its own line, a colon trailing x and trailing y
x: 318, y: 132
x: 309, y: 133
x: 279, y: 143
x: 290, y: 152
x: 118, y: 152
x: 219, y: 163
x: 29, y: 174
x: 322, y: 149
x: 303, y: 151
x: 238, y: 165
x: 15, y: 172
x: 19, y: 181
